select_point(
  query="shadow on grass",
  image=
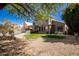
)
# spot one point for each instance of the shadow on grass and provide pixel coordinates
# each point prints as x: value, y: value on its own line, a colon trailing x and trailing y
x: 54, y: 36
x: 58, y: 38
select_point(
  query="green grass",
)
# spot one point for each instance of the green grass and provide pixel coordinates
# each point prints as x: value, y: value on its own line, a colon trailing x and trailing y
x: 35, y: 36
x: 54, y: 36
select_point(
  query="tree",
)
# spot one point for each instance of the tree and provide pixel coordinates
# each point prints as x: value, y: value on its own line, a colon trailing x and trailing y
x: 32, y: 10
x: 6, y: 27
x: 71, y: 18
x: 25, y: 10
x: 38, y: 11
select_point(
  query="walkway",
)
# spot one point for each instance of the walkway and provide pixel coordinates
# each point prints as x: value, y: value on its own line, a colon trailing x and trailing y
x: 20, y: 36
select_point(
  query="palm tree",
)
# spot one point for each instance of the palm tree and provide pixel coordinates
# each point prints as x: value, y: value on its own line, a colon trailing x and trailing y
x: 38, y: 11
x: 27, y: 10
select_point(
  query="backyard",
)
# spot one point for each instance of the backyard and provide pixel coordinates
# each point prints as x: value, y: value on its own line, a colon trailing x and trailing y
x: 60, y: 35
x: 40, y: 45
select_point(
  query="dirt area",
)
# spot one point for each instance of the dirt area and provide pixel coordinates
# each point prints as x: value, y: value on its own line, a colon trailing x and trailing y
x: 53, y: 49
x: 19, y: 47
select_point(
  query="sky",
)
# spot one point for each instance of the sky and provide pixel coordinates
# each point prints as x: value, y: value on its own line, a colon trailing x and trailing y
x: 58, y: 15
x: 5, y: 15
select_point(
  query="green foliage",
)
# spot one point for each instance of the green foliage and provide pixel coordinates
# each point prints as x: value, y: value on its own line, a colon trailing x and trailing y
x: 71, y: 17
x: 33, y: 10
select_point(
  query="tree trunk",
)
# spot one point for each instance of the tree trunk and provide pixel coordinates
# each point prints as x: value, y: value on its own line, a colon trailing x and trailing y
x: 48, y: 29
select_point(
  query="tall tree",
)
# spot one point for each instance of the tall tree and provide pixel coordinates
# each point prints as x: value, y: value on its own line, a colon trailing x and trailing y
x: 32, y: 10
x: 71, y: 18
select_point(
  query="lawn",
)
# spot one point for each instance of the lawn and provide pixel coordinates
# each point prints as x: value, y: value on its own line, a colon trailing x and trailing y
x: 34, y: 36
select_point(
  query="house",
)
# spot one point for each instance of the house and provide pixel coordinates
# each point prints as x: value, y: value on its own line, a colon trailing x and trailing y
x: 26, y: 26
x: 48, y: 26
x: 39, y: 26
x: 57, y: 26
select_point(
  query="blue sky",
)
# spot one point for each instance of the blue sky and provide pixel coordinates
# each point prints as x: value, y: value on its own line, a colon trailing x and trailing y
x: 5, y: 15
x: 58, y: 15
